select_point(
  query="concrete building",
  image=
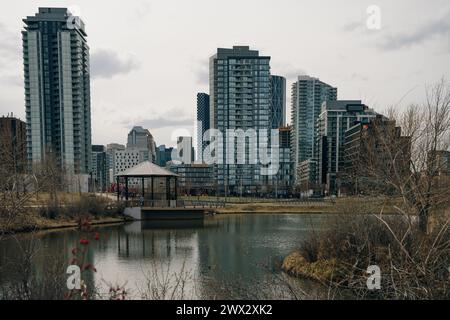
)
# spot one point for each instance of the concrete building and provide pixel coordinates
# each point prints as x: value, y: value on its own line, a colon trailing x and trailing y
x: 374, y: 151
x: 239, y: 99
x: 186, y: 152
x: 111, y: 150
x: 100, y: 172
x: 13, y: 143
x: 129, y: 158
x: 140, y: 138
x: 57, y: 90
x: 203, y: 116
x: 277, y: 101
x: 308, y: 94
x: 335, y: 118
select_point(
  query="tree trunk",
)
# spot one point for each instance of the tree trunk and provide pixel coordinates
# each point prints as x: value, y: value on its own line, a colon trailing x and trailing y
x: 423, y: 220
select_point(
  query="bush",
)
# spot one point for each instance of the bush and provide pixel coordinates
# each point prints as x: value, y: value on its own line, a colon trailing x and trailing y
x: 415, y: 265
x: 50, y: 212
x: 85, y: 204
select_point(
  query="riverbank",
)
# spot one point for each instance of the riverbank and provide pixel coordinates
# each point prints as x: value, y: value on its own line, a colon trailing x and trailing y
x: 33, y: 222
x: 335, y: 206
x: 339, y: 255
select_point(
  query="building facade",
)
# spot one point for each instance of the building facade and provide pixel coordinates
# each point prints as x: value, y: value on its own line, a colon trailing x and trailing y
x: 140, y: 138
x: 203, y: 116
x: 277, y: 101
x: 374, y: 151
x: 439, y: 162
x: 306, y: 173
x: 239, y: 99
x: 111, y: 150
x: 335, y: 118
x: 307, y: 94
x: 57, y: 89
x: 282, y: 182
x: 193, y: 179
x: 185, y: 149
x: 100, y: 172
x: 163, y: 155
x: 13, y: 143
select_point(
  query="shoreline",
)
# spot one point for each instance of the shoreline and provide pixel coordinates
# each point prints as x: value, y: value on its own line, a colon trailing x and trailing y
x: 62, y: 224
x: 33, y: 222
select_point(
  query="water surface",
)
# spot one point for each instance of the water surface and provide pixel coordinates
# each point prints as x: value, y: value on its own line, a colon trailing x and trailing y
x: 226, y: 256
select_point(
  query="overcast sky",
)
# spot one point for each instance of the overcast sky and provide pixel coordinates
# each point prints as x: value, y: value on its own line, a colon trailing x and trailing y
x: 150, y: 58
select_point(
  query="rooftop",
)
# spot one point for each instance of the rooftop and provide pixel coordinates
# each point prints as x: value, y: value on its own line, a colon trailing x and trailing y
x: 146, y: 169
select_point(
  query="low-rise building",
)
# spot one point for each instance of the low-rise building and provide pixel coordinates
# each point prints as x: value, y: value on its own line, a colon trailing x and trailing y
x: 193, y: 179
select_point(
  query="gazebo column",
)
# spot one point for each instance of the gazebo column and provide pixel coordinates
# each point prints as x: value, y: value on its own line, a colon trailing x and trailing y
x: 118, y: 188
x: 153, y: 194
x: 126, y: 188
x: 176, y: 188
x: 143, y: 187
x: 168, y: 190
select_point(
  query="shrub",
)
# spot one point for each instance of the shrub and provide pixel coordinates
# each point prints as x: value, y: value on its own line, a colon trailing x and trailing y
x: 414, y: 265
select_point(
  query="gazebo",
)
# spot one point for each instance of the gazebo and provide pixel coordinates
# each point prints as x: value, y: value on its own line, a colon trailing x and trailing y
x: 148, y: 170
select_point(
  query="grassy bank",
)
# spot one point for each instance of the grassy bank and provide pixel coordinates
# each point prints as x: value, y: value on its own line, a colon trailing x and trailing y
x: 63, y: 213
x: 413, y: 265
x: 335, y: 206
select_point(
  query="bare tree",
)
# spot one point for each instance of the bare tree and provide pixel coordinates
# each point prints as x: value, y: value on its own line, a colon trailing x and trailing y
x: 409, y: 165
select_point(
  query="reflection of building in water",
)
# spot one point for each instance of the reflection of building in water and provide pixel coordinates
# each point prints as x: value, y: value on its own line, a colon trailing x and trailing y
x: 135, y: 241
x: 51, y: 254
x: 236, y: 250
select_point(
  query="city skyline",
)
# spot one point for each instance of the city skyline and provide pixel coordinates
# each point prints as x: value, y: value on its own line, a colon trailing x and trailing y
x: 129, y: 88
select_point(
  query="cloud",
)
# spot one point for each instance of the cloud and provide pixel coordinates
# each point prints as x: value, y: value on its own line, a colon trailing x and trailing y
x: 288, y: 71
x: 431, y: 30
x: 162, y: 122
x: 10, y: 48
x: 143, y: 9
x: 170, y: 117
x: 201, y: 71
x: 12, y: 80
x: 359, y: 77
x: 353, y: 26
x: 107, y: 64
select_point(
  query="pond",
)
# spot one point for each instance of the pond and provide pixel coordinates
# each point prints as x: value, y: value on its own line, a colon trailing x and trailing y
x: 223, y: 257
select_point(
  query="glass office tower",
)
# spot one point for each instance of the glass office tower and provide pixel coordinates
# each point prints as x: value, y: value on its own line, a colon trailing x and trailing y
x: 278, y: 101
x: 202, y: 122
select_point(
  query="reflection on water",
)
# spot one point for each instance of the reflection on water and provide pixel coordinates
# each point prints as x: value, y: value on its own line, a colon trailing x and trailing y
x: 228, y: 256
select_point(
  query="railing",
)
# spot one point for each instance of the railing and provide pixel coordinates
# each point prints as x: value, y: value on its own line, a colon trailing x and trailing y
x: 220, y: 202
x: 174, y: 203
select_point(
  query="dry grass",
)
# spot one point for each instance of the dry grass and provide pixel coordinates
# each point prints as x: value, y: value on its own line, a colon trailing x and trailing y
x: 413, y: 265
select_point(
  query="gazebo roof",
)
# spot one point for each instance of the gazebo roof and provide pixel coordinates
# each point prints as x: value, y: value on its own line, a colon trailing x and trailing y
x: 147, y: 169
